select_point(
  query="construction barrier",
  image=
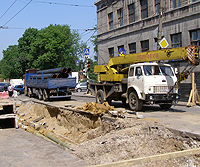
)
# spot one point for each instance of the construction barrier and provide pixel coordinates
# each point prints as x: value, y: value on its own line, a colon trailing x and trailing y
x: 4, y: 95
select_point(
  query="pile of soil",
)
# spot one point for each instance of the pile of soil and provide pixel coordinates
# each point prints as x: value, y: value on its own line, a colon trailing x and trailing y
x: 104, y: 139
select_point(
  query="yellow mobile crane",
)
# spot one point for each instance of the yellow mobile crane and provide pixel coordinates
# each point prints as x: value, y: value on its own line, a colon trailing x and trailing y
x: 131, y: 78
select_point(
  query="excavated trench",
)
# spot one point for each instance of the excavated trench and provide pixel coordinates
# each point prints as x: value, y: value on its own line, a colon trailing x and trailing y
x: 103, y: 139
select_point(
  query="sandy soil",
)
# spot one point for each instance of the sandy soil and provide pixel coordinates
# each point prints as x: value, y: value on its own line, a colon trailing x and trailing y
x: 104, y: 139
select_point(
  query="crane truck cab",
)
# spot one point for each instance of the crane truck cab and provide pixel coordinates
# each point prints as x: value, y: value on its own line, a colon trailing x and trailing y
x: 151, y: 83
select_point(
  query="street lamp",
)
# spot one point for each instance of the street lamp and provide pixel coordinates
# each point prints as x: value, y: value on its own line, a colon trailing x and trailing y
x: 3, y: 27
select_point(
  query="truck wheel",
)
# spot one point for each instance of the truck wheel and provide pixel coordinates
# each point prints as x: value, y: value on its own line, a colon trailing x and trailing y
x: 100, y: 96
x: 40, y: 94
x: 134, y: 102
x: 45, y: 95
x: 165, y: 106
x: 29, y: 92
x: 25, y: 91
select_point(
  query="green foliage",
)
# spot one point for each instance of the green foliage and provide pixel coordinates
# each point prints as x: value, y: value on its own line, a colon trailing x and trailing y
x: 51, y: 47
x: 10, y: 63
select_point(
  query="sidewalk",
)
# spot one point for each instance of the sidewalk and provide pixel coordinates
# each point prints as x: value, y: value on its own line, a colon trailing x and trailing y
x: 22, y: 149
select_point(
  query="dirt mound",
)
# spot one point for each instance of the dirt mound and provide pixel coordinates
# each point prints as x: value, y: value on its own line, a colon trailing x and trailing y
x: 104, y: 139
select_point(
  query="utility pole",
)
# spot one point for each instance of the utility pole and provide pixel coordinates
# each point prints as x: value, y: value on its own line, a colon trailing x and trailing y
x: 160, y: 24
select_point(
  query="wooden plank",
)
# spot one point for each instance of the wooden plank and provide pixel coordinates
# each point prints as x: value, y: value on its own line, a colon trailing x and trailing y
x: 5, y: 116
x: 151, y: 158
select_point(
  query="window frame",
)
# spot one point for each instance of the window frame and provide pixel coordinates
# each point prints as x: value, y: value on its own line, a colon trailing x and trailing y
x: 110, y: 21
x: 144, y: 8
x: 157, y: 6
x: 120, y: 16
x: 179, y: 42
x: 142, y: 44
x: 131, y: 14
x: 197, y: 40
x: 111, y: 52
x: 132, y: 51
x: 175, y: 4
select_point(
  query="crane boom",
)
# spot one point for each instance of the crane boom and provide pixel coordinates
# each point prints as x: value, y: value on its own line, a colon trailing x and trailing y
x: 119, y: 65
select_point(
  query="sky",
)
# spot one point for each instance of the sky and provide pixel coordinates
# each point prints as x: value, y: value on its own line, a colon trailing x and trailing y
x: 18, y: 15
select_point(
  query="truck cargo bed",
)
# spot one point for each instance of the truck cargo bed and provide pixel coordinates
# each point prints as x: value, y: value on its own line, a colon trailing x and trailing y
x: 51, y: 83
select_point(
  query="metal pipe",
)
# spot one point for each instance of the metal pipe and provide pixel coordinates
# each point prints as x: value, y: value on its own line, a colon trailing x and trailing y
x: 55, y: 70
x: 44, y: 75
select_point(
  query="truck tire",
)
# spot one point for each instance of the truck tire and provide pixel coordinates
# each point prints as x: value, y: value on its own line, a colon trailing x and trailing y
x: 25, y: 91
x: 135, y: 103
x: 29, y: 92
x: 100, y: 96
x: 45, y: 95
x: 40, y: 95
x: 165, y: 106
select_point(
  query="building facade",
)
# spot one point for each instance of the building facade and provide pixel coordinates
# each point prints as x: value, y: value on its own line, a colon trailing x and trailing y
x: 131, y: 24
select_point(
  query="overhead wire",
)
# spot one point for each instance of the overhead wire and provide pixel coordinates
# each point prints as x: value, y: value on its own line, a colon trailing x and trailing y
x: 55, y: 3
x: 8, y: 9
x: 18, y: 12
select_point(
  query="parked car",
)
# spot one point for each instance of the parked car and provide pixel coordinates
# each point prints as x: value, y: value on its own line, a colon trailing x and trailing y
x: 19, y: 88
x: 81, y: 87
x: 4, y: 86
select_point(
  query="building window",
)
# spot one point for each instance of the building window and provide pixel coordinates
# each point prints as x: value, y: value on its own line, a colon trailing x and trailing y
x: 195, y: 37
x: 111, y: 52
x: 110, y: 20
x: 192, y: 1
x: 157, y: 6
x: 131, y: 12
x: 120, y: 17
x: 144, y: 8
x: 144, y: 46
x: 176, y: 40
x: 175, y: 3
x: 132, y: 48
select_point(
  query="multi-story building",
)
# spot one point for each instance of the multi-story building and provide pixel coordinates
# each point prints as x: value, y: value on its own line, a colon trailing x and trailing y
x: 131, y: 24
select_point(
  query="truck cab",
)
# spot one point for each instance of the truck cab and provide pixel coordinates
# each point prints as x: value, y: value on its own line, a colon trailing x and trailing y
x: 151, y: 83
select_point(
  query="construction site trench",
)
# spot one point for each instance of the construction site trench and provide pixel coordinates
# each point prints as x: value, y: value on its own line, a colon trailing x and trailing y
x: 98, y: 137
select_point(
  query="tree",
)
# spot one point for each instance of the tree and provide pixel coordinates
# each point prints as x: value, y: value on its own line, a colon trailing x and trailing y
x: 51, y: 47
x: 10, y: 63
x: 54, y: 47
x: 24, y: 46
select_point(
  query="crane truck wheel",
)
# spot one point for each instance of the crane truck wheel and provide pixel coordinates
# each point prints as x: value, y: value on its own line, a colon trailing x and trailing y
x: 100, y: 96
x: 165, y: 106
x: 135, y: 103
